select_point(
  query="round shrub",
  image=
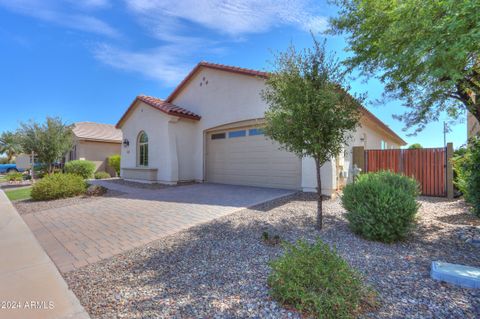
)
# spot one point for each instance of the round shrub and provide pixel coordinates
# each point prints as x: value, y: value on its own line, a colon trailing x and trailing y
x: 58, y: 186
x: 81, y: 168
x: 316, y: 280
x: 114, y: 162
x: 102, y: 175
x: 381, y: 206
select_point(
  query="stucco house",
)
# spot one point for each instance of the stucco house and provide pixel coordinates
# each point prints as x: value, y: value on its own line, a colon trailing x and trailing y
x: 473, y: 127
x: 210, y: 129
x: 95, y: 142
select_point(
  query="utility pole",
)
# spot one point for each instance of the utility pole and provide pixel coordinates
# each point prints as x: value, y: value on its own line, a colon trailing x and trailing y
x: 444, y: 134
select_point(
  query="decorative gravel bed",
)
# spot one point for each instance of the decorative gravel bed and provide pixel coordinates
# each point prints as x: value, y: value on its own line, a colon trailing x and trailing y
x: 219, y: 269
x: 31, y: 206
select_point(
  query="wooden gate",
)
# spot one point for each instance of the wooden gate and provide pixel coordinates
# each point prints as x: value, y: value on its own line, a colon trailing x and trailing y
x: 427, y: 165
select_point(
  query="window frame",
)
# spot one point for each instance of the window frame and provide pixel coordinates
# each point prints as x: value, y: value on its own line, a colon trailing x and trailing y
x: 142, y: 150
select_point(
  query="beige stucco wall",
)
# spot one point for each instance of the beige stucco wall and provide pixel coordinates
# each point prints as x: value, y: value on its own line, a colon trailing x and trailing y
x: 96, y: 152
x: 473, y: 127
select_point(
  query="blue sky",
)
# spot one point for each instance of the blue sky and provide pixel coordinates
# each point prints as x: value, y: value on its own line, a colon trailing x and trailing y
x: 87, y: 60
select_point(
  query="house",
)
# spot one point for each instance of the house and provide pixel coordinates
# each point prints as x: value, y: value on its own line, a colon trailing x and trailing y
x: 210, y: 129
x: 95, y: 142
x: 473, y: 127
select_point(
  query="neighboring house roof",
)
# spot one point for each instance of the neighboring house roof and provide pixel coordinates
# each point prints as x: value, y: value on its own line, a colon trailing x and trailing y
x: 160, y: 105
x: 97, y: 132
x: 168, y: 108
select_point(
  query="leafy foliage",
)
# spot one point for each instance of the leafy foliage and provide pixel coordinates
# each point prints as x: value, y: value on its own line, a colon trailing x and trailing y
x: 82, y: 168
x: 381, y: 206
x: 467, y: 169
x: 50, y: 141
x: 14, y: 177
x: 102, y: 175
x: 56, y: 186
x: 309, y: 113
x: 415, y: 146
x: 426, y: 52
x: 316, y: 280
x: 114, y: 162
x: 9, y: 145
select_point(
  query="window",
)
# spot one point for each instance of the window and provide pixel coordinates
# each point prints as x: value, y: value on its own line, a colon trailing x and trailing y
x: 218, y: 136
x: 255, y: 131
x: 237, y: 134
x: 142, y: 149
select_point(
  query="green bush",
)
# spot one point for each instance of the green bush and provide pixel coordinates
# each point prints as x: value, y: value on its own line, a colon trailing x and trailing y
x: 14, y: 177
x: 460, y: 171
x: 84, y: 169
x: 102, y: 175
x: 114, y: 162
x: 381, y: 206
x: 58, y: 186
x: 316, y: 280
x: 469, y: 171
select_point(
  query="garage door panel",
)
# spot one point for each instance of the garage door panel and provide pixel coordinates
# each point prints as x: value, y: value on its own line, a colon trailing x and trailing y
x: 251, y: 160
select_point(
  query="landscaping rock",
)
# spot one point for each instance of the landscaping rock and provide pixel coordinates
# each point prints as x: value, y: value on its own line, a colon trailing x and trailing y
x: 96, y: 190
x: 220, y: 269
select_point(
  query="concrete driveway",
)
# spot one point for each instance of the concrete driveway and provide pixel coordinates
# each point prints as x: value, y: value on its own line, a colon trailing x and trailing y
x: 77, y: 235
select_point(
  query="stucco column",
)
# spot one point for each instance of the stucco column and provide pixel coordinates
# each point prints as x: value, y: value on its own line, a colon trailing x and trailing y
x: 172, y: 150
x: 309, y: 179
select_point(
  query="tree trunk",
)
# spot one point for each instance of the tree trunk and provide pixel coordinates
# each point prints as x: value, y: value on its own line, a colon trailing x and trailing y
x: 319, y: 197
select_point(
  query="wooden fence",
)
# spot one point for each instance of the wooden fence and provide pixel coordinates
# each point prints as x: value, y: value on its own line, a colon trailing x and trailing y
x: 429, y: 166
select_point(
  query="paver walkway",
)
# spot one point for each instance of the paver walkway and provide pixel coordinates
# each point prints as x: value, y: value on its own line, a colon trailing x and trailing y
x: 77, y: 235
x: 30, y: 284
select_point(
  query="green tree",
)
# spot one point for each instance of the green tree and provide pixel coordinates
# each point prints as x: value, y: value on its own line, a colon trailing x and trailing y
x: 415, y: 146
x: 426, y: 52
x: 309, y: 113
x: 9, y: 145
x: 50, y: 140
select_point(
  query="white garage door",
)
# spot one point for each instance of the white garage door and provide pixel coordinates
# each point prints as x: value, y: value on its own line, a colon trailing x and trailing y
x: 245, y: 157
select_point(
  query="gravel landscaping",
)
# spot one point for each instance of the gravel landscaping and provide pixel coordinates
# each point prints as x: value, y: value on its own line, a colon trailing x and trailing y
x: 219, y: 269
x: 31, y: 206
x: 133, y: 184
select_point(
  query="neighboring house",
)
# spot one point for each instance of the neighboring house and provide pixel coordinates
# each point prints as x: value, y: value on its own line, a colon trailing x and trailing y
x: 95, y: 142
x: 210, y: 129
x: 473, y: 127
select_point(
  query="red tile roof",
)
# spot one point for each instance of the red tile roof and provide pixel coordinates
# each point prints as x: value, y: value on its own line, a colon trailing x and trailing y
x: 160, y: 105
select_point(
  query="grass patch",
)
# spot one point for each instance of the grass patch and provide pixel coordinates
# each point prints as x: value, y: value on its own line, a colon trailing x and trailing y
x: 19, y: 194
x: 317, y: 282
x: 2, y: 178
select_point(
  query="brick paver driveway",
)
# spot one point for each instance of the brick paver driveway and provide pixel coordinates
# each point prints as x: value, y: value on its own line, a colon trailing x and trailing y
x: 77, y: 235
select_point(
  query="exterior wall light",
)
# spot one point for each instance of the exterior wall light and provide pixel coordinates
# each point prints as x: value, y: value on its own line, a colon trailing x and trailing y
x: 126, y: 143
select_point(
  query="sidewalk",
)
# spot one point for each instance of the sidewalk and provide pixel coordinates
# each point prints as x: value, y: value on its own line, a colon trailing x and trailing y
x: 30, y: 284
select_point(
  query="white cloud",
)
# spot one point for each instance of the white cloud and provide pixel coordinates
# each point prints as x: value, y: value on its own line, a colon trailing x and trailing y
x: 162, y: 63
x: 53, y: 12
x: 232, y: 17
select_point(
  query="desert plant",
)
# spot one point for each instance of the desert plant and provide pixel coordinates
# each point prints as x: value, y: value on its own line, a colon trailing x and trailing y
x: 102, y: 175
x: 114, y: 162
x: 82, y: 168
x: 381, y: 206
x: 56, y: 186
x: 271, y: 240
x: 316, y: 280
x: 14, y: 177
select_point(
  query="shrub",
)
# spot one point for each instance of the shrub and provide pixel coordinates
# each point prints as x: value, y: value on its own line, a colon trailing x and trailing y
x: 381, y: 206
x: 81, y: 168
x: 58, y: 186
x: 470, y: 172
x: 102, y: 175
x: 316, y: 280
x: 14, y: 177
x: 114, y: 162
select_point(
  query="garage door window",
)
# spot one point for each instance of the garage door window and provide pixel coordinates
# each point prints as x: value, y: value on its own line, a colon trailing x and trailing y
x: 255, y: 131
x: 218, y: 136
x: 237, y: 134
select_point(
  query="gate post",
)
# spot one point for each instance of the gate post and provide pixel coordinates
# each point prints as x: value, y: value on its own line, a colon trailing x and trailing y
x: 449, y: 171
x: 359, y: 157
